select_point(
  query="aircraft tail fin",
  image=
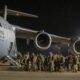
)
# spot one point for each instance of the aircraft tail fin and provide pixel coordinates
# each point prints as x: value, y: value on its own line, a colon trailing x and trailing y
x: 16, y: 13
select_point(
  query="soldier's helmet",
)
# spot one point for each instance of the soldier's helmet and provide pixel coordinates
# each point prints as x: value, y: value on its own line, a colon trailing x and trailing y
x: 50, y: 53
x: 40, y: 54
x: 25, y: 55
x: 33, y: 54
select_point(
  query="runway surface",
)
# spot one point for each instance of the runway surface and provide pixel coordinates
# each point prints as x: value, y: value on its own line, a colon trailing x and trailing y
x: 6, y: 74
x: 18, y: 75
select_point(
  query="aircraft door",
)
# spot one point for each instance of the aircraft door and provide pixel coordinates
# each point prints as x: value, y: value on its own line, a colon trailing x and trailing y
x: 10, y: 47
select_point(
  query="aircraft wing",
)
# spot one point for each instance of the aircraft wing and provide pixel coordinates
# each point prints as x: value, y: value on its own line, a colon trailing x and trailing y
x: 31, y: 34
x: 25, y: 33
x: 60, y: 39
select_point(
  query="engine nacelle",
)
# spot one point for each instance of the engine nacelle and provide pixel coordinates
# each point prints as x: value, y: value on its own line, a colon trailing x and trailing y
x: 76, y: 46
x: 43, y: 40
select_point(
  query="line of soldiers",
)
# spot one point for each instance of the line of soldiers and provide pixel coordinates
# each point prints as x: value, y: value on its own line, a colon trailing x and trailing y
x: 52, y: 62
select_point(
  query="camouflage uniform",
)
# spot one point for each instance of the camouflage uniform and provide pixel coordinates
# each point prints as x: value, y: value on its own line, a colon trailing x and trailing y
x: 26, y: 61
x: 43, y: 59
x: 29, y: 64
x: 39, y: 62
x: 45, y: 64
x: 19, y: 58
x: 50, y: 62
x: 34, y: 66
x: 70, y: 62
x: 22, y: 62
x: 79, y: 62
x: 75, y: 65
x: 62, y: 61
x: 55, y: 62
x: 66, y: 63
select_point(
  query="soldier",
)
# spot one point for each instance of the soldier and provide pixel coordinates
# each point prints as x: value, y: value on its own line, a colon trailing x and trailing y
x: 66, y: 63
x: 50, y: 62
x: 45, y: 63
x: 22, y: 62
x: 25, y: 61
x: 34, y: 66
x: 79, y: 62
x: 75, y: 65
x: 42, y: 62
x: 29, y: 64
x: 70, y: 62
x: 52, y: 68
x: 55, y: 61
x: 58, y: 62
x: 62, y: 61
x: 19, y: 56
x: 39, y: 62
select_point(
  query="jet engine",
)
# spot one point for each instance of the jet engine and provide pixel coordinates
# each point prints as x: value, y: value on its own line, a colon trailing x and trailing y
x: 76, y: 46
x: 43, y: 40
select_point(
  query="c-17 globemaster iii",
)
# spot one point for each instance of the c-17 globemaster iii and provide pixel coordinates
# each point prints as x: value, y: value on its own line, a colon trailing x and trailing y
x: 42, y: 39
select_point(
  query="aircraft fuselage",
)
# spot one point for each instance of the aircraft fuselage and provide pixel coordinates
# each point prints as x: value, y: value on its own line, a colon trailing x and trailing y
x: 7, y: 40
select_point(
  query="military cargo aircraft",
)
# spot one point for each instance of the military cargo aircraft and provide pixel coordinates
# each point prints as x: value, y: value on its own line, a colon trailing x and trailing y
x: 42, y: 39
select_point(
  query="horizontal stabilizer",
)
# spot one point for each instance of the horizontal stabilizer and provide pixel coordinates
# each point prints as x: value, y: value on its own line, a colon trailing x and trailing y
x: 7, y: 11
x: 18, y: 13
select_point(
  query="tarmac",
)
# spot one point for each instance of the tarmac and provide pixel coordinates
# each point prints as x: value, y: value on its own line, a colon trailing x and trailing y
x: 6, y: 74
x: 18, y: 75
